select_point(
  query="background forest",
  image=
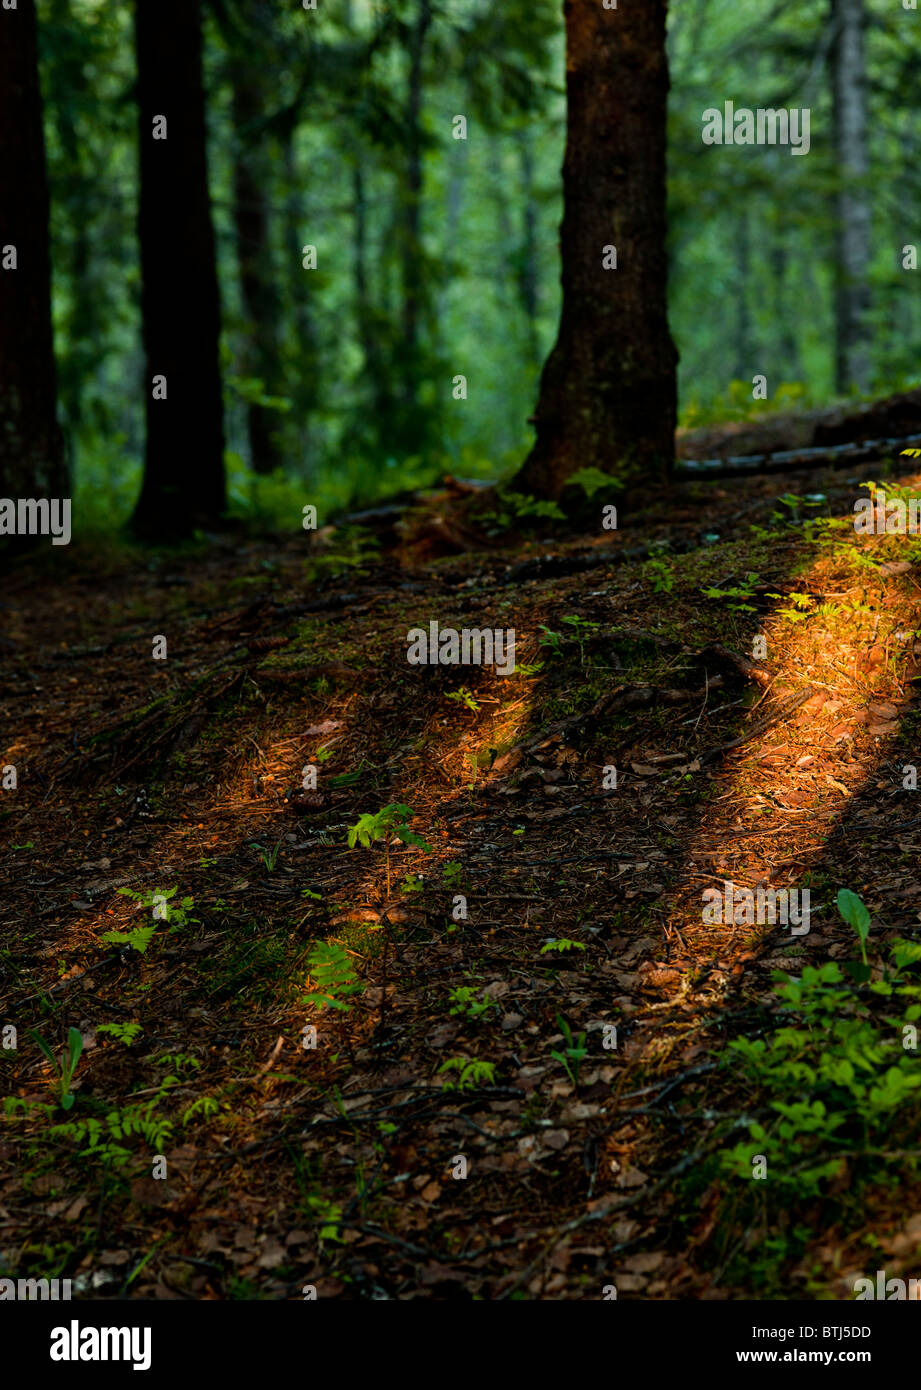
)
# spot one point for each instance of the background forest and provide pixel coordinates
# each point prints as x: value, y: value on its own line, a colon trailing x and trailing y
x: 438, y: 256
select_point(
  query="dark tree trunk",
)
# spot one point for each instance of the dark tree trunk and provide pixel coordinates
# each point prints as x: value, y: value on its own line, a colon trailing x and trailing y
x: 608, y: 395
x: 258, y: 288
x: 852, y: 261
x: 412, y: 270
x: 527, y: 273
x: 360, y: 264
x: 304, y: 377
x: 184, y: 484
x: 787, y: 344
x: 743, y: 334
x: 83, y: 329
x: 32, y: 456
x: 413, y: 267
x: 376, y: 370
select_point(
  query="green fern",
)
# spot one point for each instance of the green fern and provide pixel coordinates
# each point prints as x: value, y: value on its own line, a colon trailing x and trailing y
x: 471, y: 1073
x: 138, y: 939
x: 333, y: 976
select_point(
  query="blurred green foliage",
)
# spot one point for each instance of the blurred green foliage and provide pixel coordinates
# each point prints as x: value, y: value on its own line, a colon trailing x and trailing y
x: 358, y: 415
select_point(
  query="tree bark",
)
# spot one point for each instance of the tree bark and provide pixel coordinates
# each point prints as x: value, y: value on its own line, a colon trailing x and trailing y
x: 528, y: 283
x: 81, y: 347
x: 852, y: 261
x: 412, y: 269
x: 608, y: 393
x: 184, y: 484
x: 32, y: 455
x: 304, y: 431
x: 258, y: 289
x: 743, y: 334
x: 792, y: 369
x: 376, y: 371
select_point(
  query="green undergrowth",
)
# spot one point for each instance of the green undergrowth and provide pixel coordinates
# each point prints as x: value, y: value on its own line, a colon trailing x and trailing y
x: 830, y: 1099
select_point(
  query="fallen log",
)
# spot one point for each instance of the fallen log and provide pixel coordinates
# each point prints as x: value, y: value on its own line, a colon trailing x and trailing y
x: 793, y: 460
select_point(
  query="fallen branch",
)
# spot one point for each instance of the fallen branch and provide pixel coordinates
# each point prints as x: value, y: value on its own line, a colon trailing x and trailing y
x: 760, y: 726
x: 791, y: 460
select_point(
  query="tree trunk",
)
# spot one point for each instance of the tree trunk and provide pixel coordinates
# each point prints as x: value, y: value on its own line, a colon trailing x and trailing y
x: 258, y: 289
x: 788, y: 348
x: 852, y: 294
x: 303, y: 370
x: 184, y: 483
x: 71, y: 187
x: 608, y: 394
x: 376, y: 370
x: 32, y: 456
x: 528, y: 283
x: 413, y: 267
x: 743, y: 334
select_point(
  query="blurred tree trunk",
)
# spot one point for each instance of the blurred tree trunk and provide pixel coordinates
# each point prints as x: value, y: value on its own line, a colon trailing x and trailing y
x: 258, y: 289
x: 527, y: 270
x: 743, y: 335
x: 458, y: 160
x: 791, y: 369
x: 414, y: 285
x: 32, y: 455
x: 852, y: 260
x: 184, y: 483
x: 81, y: 343
x: 303, y: 365
x: 608, y: 393
x: 375, y: 371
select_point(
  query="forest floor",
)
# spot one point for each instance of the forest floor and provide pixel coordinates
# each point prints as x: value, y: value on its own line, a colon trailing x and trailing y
x: 627, y: 1157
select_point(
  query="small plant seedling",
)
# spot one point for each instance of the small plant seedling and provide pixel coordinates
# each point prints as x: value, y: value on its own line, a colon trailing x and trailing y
x: 327, y: 1216
x: 463, y: 696
x: 464, y: 1001
x: 573, y: 1054
x: 204, y: 1106
x: 561, y: 944
x: 516, y: 506
x: 177, y: 914
x: 798, y: 610
x: 159, y: 901
x: 471, y: 1073
x: 581, y: 628
x: 269, y: 857
x: 68, y: 1064
x: 138, y: 939
x: 742, y: 591
x: 552, y: 640
x: 387, y: 824
x: 855, y: 913
x: 591, y: 480
x: 346, y: 779
x: 333, y: 976
x: 121, y: 1032
x: 663, y: 575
